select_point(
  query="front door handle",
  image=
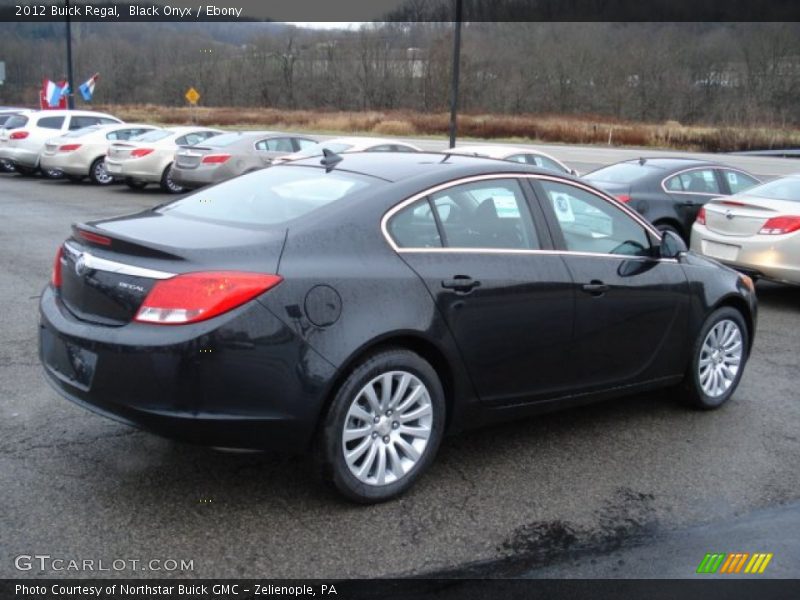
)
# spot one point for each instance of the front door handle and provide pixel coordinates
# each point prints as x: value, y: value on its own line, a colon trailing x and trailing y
x: 595, y: 288
x: 461, y: 283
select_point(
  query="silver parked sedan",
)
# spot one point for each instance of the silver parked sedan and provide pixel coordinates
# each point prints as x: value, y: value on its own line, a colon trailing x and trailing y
x: 230, y: 154
x: 757, y: 231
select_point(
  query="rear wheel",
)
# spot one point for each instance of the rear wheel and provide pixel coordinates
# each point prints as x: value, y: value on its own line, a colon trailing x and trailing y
x: 98, y: 173
x: 167, y: 184
x: 134, y: 184
x: 383, y: 427
x: 53, y: 173
x: 718, y: 359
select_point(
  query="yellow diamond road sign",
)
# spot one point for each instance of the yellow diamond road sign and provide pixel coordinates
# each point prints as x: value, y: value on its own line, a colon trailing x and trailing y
x: 192, y: 95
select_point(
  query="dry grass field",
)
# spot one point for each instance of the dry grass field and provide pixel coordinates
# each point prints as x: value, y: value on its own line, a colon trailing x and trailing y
x: 585, y: 129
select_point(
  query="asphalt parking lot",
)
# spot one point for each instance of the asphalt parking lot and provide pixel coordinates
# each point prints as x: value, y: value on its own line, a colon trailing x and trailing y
x: 78, y: 486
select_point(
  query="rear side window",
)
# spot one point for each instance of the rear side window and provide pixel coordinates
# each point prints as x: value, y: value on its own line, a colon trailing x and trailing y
x: 490, y: 214
x: 79, y: 122
x: 697, y: 181
x: 271, y: 196
x: 738, y: 181
x: 16, y: 121
x: 51, y: 122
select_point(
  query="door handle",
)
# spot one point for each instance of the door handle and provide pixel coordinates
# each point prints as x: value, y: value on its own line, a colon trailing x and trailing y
x: 461, y: 283
x: 595, y: 288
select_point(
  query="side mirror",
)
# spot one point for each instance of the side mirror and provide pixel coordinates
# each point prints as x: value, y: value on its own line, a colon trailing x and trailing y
x: 672, y: 245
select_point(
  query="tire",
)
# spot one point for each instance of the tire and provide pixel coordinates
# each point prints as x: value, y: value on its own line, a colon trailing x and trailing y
x: 98, y: 173
x: 6, y: 166
x: 416, y: 392
x: 702, y: 388
x: 168, y: 185
x: 52, y: 173
x: 134, y: 184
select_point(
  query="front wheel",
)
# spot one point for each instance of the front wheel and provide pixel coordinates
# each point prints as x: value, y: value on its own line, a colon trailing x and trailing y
x: 383, y: 428
x: 718, y: 359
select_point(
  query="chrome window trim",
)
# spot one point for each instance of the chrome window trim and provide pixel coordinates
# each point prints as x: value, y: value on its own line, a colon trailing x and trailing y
x: 473, y: 178
x: 111, y: 266
x: 720, y: 193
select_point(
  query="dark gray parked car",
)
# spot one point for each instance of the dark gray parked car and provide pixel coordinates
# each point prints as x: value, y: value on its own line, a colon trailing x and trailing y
x: 231, y: 154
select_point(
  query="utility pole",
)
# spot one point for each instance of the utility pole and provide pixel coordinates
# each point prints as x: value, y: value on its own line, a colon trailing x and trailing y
x: 456, y: 64
x: 71, y: 95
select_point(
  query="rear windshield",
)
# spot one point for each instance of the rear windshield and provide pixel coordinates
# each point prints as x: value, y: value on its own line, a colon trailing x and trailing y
x: 82, y: 131
x: 787, y: 188
x: 16, y: 121
x: 622, y: 173
x: 219, y: 141
x: 270, y: 196
x: 152, y: 136
x: 317, y: 149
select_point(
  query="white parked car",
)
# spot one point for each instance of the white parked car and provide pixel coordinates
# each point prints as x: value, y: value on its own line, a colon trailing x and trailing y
x: 756, y: 231
x: 148, y: 158
x: 81, y: 153
x: 351, y: 144
x: 519, y: 154
x: 23, y: 136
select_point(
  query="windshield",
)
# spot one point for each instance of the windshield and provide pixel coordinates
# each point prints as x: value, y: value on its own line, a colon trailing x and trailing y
x: 622, y: 172
x: 270, y: 196
x: 787, y: 188
x: 152, y: 136
x: 316, y: 150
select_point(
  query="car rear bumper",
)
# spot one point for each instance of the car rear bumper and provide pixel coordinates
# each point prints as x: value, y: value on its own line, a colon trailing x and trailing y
x: 774, y: 257
x: 142, y: 169
x: 71, y: 165
x: 198, y: 177
x: 241, y: 380
x: 20, y: 156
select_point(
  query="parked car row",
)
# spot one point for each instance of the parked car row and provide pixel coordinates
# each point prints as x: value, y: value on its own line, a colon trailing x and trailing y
x: 670, y: 193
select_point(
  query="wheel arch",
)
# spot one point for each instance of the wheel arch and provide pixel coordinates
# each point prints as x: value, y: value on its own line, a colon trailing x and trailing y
x: 403, y: 340
x: 738, y: 303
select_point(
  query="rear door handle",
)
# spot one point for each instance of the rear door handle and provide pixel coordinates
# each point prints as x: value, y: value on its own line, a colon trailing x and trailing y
x: 595, y: 288
x: 461, y: 283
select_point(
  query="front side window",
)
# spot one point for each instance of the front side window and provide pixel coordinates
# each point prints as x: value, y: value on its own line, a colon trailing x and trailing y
x: 51, y: 122
x: 276, y: 145
x: 488, y: 214
x: 79, y: 122
x: 592, y: 224
x: 738, y: 181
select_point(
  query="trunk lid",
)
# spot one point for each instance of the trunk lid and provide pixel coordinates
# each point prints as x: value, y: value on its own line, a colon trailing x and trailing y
x: 190, y: 157
x: 120, y: 151
x: 109, y: 267
x: 744, y: 216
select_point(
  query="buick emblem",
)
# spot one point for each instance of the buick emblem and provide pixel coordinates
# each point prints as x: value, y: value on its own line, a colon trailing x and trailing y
x: 728, y: 215
x: 80, y: 266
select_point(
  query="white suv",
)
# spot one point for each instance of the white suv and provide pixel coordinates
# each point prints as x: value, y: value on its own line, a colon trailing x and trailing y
x: 23, y: 136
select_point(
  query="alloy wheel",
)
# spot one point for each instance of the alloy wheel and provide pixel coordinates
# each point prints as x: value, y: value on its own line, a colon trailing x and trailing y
x: 101, y: 176
x: 720, y: 358
x: 387, y: 428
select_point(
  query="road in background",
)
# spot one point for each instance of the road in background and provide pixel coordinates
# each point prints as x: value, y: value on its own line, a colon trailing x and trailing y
x: 77, y: 485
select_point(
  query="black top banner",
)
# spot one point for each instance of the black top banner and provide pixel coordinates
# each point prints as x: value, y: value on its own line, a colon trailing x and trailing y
x: 400, y: 10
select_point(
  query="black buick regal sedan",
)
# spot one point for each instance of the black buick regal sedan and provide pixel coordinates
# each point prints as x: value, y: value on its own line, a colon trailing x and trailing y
x: 361, y: 307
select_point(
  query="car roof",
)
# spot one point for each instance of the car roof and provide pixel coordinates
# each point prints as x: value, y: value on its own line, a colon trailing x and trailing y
x: 77, y: 113
x: 178, y: 130
x: 495, y: 151
x: 671, y: 162
x: 363, y: 141
x: 427, y: 166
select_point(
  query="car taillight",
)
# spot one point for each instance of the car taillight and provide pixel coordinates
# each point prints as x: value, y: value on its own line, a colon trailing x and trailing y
x: 55, y: 278
x: 68, y: 147
x: 19, y: 135
x: 701, y: 216
x: 94, y: 238
x: 780, y: 225
x: 624, y: 198
x: 215, y: 159
x: 140, y: 152
x: 193, y: 297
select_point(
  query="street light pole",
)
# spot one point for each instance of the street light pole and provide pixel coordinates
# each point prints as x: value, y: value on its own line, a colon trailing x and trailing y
x: 71, y: 95
x: 456, y: 64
